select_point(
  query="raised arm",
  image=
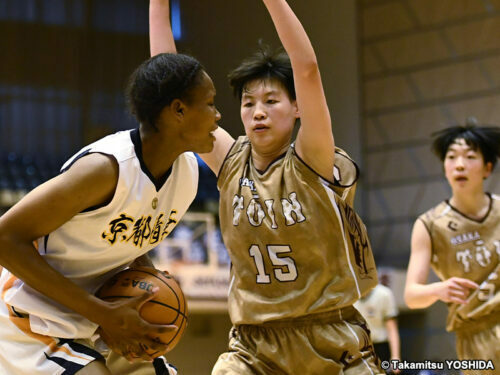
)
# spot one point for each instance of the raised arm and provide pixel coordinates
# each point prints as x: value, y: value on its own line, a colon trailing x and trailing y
x: 314, y: 142
x: 419, y: 294
x: 161, y: 40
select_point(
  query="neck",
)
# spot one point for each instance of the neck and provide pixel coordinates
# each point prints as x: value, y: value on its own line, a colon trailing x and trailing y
x: 262, y: 156
x: 157, y: 157
x: 261, y: 160
x: 473, y: 204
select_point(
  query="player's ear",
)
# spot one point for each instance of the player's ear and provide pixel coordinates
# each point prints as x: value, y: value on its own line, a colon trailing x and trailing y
x: 296, y: 109
x: 488, y: 168
x: 178, y: 108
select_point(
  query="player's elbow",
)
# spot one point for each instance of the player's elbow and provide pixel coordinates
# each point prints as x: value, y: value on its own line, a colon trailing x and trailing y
x: 410, y: 299
x: 8, y: 243
x: 309, y: 68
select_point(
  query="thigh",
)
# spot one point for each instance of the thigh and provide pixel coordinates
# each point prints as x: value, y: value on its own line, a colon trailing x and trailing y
x: 36, y: 354
x: 348, y: 344
x: 480, y: 345
x: 231, y: 363
x: 363, y: 358
x: 242, y: 358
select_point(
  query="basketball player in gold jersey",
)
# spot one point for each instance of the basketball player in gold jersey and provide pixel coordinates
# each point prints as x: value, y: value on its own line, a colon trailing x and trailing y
x: 460, y: 240
x: 300, y: 253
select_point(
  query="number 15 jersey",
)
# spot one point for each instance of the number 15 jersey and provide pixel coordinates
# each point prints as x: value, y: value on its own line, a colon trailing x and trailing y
x: 296, y: 245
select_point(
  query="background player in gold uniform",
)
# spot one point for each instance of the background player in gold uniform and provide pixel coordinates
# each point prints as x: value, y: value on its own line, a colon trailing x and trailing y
x: 300, y: 253
x: 460, y: 240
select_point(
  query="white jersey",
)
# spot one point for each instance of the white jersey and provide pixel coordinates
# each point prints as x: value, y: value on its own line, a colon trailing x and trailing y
x: 101, y: 241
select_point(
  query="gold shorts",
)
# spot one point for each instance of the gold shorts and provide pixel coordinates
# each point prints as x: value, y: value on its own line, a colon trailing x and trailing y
x: 331, y: 343
x: 480, y: 341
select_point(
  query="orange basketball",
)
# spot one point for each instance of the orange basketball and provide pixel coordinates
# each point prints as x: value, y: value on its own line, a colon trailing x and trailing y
x: 167, y: 307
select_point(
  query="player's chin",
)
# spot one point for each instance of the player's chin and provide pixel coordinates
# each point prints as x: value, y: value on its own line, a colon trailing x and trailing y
x: 208, y: 146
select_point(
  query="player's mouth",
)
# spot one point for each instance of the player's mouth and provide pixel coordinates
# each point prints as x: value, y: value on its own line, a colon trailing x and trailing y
x: 259, y: 128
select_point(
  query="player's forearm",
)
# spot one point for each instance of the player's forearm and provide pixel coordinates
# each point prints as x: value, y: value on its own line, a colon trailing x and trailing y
x: 393, y: 336
x: 293, y: 36
x: 22, y: 260
x: 420, y: 296
x: 161, y: 38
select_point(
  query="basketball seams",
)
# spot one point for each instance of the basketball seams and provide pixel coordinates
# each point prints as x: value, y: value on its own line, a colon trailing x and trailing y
x: 163, y: 281
x: 184, y: 315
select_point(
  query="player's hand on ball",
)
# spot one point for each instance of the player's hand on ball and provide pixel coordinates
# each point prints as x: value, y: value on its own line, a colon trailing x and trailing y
x: 455, y: 290
x: 128, y: 334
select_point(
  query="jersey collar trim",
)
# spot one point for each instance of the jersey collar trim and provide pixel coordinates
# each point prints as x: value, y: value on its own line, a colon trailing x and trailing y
x: 482, y: 220
x: 136, y: 140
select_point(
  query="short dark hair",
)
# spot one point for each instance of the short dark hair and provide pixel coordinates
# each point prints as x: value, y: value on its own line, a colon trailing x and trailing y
x: 263, y: 65
x: 158, y: 81
x: 486, y: 139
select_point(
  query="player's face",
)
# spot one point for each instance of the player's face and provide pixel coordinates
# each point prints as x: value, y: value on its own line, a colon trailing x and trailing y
x: 201, y: 117
x: 268, y: 115
x: 465, y: 167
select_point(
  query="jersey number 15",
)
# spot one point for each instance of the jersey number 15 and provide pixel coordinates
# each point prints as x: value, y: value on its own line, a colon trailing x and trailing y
x: 283, y: 267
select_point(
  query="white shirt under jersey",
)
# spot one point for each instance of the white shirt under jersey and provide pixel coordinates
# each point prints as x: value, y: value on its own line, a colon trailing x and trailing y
x: 101, y: 241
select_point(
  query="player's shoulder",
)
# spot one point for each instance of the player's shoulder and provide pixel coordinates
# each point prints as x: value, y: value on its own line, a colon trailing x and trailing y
x: 119, y: 144
x: 436, y: 212
x: 346, y: 171
x: 186, y: 164
x: 495, y: 204
x: 188, y: 157
x: 237, y: 154
x: 241, y: 144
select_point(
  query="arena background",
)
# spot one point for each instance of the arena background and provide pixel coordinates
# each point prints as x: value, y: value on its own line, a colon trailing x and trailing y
x: 394, y: 71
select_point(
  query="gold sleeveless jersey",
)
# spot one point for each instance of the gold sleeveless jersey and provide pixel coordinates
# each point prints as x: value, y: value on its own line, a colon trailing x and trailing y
x: 297, y: 247
x: 467, y: 248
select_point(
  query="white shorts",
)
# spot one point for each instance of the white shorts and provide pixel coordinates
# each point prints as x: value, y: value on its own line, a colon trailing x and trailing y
x: 23, y: 352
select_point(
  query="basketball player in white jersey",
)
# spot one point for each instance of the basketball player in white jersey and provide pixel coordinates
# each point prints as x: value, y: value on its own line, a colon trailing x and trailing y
x: 113, y: 202
x: 300, y: 255
x: 460, y: 239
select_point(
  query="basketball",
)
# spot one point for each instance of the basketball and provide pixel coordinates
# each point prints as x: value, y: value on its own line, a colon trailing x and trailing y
x: 167, y: 307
